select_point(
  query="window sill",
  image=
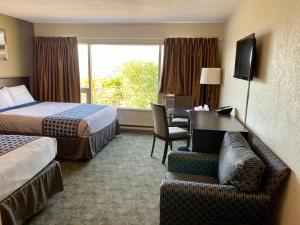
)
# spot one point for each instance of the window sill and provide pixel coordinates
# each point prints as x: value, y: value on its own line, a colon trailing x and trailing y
x: 133, y: 109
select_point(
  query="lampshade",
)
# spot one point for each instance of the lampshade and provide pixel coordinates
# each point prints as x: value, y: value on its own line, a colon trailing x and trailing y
x: 210, y: 76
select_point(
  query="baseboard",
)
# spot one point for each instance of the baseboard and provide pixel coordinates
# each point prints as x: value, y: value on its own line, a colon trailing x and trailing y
x: 136, y: 127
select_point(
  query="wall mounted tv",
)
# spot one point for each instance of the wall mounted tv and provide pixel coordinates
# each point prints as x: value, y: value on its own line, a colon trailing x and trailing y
x: 245, y: 58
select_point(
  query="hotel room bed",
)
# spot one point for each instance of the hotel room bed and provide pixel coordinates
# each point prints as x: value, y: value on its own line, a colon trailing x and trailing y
x: 81, y: 130
x: 29, y: 176
x: 57, y: 119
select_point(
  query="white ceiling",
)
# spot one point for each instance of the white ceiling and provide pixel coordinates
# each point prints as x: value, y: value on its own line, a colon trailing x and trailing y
x: 118, y: 11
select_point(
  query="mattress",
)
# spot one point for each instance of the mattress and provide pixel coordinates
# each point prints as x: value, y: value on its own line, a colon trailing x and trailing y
x: 23, y: 163
x: 29, y: 118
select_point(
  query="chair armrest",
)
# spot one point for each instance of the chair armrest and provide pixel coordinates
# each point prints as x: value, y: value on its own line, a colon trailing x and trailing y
x: 183, y: 202
x: 193, y: 163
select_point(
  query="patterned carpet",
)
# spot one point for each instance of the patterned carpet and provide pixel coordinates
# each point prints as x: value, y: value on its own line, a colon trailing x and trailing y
x: 120, y: 186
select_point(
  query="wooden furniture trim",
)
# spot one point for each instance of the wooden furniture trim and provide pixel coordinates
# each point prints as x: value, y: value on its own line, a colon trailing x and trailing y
x: 15, y: 81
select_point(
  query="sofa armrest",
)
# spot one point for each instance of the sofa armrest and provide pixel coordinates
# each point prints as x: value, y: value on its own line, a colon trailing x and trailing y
x: 184, y: 202
x: 193, y: 163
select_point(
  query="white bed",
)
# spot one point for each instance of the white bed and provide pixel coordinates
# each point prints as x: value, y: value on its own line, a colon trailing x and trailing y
x: 21, y: 164
x: 29, y: 119
x: 81, y: 130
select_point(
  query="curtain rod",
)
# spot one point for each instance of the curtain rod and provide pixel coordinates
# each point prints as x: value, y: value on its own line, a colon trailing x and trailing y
x: 114, y: 38
x: 131, y: 38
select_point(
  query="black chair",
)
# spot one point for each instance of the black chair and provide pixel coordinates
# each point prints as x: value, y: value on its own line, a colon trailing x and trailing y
x: 164, y: 132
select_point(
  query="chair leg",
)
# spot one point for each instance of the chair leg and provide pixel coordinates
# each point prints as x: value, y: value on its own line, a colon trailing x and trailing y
x: 165, y: 152
x: 188, y: 142
x: 171, y: 145
x: 153, y: 144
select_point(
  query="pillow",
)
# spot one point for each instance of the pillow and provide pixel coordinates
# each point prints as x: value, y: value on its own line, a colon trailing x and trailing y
x: 238, y: 164
x: 5, y: 99
x: 20, y: 95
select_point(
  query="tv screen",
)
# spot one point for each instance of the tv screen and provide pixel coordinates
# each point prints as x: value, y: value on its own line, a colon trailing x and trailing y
x: 245, y: 57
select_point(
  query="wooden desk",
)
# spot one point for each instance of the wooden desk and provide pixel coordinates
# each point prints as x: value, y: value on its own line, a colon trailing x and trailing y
x: 208, y: 129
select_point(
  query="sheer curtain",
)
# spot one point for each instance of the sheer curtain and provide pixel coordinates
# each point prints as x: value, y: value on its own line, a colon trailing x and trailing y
x: 183, y: 60
x: 56, y: 69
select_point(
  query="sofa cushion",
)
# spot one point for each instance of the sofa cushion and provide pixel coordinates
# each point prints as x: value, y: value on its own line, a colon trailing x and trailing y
x: 191, y: 178
x: 238, y: 164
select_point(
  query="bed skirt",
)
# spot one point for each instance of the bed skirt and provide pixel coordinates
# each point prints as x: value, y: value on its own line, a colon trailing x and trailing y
x: 85, y: 148
x: 32, y: 196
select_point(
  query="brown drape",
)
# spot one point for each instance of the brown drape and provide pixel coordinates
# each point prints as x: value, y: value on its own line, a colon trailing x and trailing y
x: 56, y: 69
x: 183, y: 60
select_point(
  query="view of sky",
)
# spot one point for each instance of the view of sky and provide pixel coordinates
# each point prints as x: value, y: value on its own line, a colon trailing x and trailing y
x: 106, y: 58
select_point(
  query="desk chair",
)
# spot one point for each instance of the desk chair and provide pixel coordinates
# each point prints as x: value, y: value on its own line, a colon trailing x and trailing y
x: 182, y: 101
x: 164, y: 132
x: 168, y: 101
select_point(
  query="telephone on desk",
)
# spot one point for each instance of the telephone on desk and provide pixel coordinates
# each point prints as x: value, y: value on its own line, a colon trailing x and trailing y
x: 224, y: 110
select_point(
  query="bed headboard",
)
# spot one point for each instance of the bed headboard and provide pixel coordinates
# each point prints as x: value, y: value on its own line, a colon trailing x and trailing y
x: 15, y: 81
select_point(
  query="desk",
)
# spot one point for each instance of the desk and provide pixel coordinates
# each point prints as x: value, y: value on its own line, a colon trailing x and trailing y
x: 208, y: 129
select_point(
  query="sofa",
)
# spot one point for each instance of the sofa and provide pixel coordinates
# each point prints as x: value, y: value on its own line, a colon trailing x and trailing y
x: 236, y: 186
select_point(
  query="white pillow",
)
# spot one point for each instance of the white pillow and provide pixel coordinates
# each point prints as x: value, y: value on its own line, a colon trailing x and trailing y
x: 20, y: 95
x: 5, y: 99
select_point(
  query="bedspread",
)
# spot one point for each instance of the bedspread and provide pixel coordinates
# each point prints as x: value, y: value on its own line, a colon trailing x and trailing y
x: 22, y: 163
x: 11, y: 142
x: 57, y: 119
x: 67, y: 122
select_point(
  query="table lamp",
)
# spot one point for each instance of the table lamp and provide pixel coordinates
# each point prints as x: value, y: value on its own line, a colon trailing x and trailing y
x: 210, y: 76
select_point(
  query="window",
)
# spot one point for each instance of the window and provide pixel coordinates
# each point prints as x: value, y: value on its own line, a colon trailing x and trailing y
x: 83, y: 53
x: 119, y: 75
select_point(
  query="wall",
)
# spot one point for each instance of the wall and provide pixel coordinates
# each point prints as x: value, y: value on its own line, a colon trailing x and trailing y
x: 133, y: 118
x: 19, y: 35
x: 274, y: 101
x: 130, y: 33
x: 109, y: 32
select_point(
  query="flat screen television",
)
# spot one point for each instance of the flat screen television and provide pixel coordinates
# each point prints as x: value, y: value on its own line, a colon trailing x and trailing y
x: 245, y: 58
